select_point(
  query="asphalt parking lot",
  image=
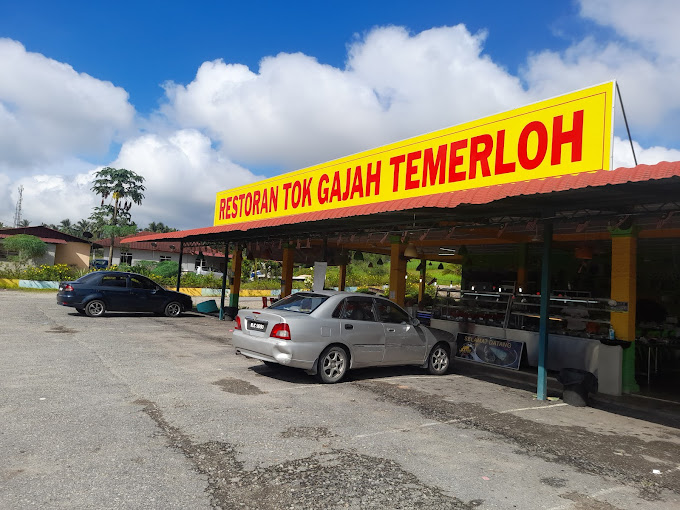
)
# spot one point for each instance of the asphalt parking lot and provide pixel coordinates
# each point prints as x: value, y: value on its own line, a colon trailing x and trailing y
x: 139, y: 411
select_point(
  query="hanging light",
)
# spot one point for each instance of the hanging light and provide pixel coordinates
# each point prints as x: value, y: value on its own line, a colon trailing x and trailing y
x: 440, y: 266
x: 370, y: 264
x: 411, y: 251
x: 380, y: 262
x: 358, y: 255
x: 420, y: 266
x: 430, y: 263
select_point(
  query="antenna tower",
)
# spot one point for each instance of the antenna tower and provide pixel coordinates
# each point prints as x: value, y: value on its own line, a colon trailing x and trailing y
x: 17, y: 212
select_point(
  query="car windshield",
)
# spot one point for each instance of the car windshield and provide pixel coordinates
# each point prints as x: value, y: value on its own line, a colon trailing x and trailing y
x: 302, y: 302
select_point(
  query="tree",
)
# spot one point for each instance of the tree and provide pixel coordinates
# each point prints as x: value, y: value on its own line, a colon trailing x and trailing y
x: 124, y: 187
x: 82, y: 226
x: 159, y: 227
x: 25, y: 246
x: 24, y: 223
x: 66, y: 227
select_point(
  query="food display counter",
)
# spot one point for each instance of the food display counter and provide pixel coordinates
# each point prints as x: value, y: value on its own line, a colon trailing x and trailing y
x: 579, y: 324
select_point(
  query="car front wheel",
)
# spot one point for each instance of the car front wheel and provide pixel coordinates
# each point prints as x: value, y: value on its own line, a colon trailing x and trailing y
x: 95, y: 308
x: 333, y: 364
x: 438, y: 361
x: 173, y: 309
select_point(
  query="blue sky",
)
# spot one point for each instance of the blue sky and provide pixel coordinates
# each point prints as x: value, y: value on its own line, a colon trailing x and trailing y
x: 204, y: 96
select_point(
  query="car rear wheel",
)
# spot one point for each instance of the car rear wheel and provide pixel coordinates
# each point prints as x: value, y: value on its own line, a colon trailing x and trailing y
x: 80, y: 310
x: 333, y: 364
x: 95, y: 308
x: 438, y: 361
x: 173, y: 309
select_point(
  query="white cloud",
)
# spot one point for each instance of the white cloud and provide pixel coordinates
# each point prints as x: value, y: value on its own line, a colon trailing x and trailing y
x: 50, y: 198
x: 49, y: 111
x: 623, y: 155
x: 644, y: 59
x: 182, y: 174
x: 295, y: 111
x: 654, y: 25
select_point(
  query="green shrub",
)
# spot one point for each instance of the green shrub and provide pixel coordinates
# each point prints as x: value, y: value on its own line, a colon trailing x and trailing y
x: 56, y: 273
x: 167, y: 269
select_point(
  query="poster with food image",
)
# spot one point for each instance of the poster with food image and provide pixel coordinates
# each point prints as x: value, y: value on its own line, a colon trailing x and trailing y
x: 489, y: 350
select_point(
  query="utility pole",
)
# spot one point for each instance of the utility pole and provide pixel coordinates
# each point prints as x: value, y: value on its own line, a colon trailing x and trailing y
x: 17, y: 211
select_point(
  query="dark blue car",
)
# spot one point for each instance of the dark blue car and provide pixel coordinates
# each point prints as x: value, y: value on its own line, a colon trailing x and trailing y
x: 96, y: 293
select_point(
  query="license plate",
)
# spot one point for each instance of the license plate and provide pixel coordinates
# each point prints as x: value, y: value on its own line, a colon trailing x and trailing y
x: 257, y: 326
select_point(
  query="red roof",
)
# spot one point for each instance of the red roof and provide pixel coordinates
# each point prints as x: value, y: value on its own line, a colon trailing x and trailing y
x: 449, y: 200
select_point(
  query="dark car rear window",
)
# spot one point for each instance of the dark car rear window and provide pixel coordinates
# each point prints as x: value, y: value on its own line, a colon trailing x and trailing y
x: 89, y: 278
x: 300, y: 302
x: 113, y: 281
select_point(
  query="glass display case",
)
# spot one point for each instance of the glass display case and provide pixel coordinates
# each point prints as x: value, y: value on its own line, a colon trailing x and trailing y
x: 571, y: 313
x: 488, y: 307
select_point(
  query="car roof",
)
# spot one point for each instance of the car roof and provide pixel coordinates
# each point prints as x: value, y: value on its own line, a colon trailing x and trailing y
x: 331, y: 293
x: 121, y: 273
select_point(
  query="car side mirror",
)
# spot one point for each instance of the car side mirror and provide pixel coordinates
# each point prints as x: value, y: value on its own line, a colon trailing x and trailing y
x: 415, y: 322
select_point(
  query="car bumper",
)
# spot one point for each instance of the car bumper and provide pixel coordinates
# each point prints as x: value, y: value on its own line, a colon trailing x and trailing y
x: 66, y: 300
x: 271, y: 349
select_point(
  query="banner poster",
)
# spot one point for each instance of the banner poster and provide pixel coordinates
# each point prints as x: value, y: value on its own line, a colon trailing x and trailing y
x: 489, y: 350
x: 319, y: 276
x: 568, y: 134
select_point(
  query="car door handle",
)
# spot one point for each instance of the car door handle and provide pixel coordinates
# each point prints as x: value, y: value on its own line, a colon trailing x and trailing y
x: 391, y: 330
x: 349, y: 326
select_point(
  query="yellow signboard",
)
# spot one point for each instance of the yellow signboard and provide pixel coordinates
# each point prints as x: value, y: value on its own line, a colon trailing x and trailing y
x: 564, y: 135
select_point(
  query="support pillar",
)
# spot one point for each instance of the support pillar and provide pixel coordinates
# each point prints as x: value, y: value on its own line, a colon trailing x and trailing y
x: 179, y: 271
x: 421, y: 285
x: 235, y: 288
x: 624, y: 288
x: 342, y: 276
x: 224, y: 280
x: 287, y: 271
x: 543, y: 335
x: 397, y: 271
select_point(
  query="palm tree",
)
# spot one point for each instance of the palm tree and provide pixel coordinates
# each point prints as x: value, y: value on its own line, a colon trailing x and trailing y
x: 24, y: 223
x: 82, y: 226
x: 66, y: 227
x: 125, y: 188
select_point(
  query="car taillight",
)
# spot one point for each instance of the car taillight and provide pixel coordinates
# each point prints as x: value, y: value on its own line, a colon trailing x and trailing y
x: 281, y: 330
x: 238, y: 322
x: 67, y: 288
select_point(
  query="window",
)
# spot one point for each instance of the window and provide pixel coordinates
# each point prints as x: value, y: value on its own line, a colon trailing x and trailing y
x: 389, y: 312
x: 165, y: 257
x: 126, y: 258
x: 138, y: 282
x: 356, y: 309
x: 304, y: 302
x: 113, y: 281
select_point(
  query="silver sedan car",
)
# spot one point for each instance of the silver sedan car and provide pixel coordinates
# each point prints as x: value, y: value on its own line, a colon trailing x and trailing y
x: 326, y: 333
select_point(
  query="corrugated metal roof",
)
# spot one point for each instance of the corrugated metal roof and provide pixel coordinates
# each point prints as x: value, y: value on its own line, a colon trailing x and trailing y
x: 450, y: 200
x: 133, y: 242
